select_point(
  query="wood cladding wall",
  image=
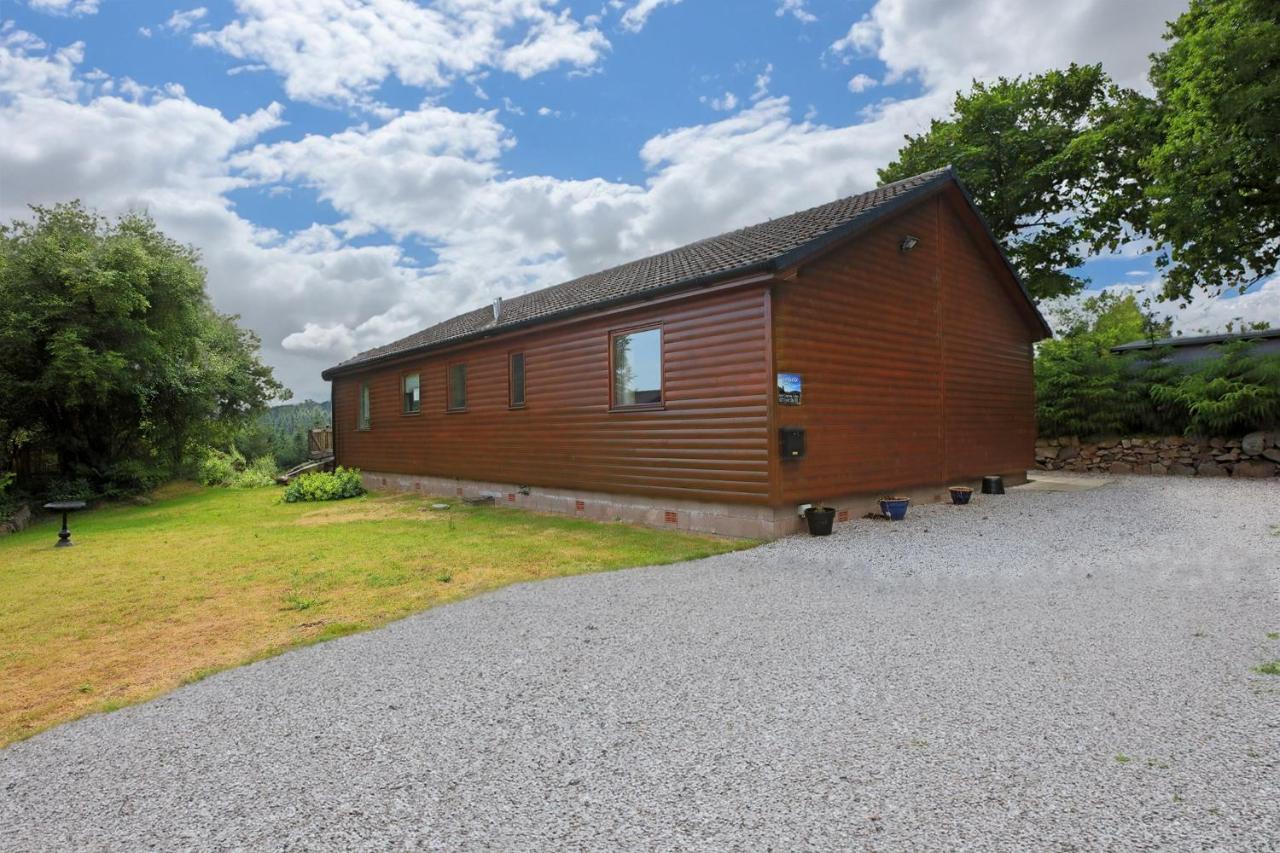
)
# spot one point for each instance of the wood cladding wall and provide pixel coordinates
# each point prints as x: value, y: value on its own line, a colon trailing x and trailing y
x: 710, y: 441
x: 916, y: 365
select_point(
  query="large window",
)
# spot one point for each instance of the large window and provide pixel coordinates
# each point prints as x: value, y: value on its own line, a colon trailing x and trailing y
x: 637, y: 368
x: 362, y: 417
x: 515, y: 380
x: 411, y: 393
x: 457, y: 382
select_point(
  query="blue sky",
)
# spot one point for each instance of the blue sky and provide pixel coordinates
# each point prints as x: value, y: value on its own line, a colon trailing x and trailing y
x: 353, y: 170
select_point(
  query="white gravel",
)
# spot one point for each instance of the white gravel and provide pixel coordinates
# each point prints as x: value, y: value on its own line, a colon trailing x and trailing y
x: 971, y: 677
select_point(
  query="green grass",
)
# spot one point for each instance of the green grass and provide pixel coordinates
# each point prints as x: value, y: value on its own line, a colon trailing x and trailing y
x: 1271, y: 667
x: 202, y: 580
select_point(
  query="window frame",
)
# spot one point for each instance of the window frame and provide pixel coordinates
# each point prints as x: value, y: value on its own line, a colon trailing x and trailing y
x: 364, y: 407
x: 448, y: 387
x: 614, y: 334
x: 524, y: 380
x: 403, y: 377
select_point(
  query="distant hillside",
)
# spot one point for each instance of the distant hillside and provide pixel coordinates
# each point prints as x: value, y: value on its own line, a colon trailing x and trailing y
x: 289, y: 417
x: 281, y: 432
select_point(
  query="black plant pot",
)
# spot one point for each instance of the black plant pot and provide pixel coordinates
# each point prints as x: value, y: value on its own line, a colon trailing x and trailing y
x: 820, y: 519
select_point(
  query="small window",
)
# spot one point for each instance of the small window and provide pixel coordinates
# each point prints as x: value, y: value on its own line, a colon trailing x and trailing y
x: 637, y: 368
x: 411, y: 393
x: 457, y: 381
x: 362, y: 418
x: 515, y: 380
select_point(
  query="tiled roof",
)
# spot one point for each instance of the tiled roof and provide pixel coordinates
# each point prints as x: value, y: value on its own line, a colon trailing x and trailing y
x: 775, y: 244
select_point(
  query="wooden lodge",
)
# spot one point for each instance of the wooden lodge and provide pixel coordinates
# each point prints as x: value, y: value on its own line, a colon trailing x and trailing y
x: 877, y: 344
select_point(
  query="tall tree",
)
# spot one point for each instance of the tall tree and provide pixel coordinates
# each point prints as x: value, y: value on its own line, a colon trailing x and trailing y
x: 1213, y: 175
x: 1048, y: 160
x: 111, y: 356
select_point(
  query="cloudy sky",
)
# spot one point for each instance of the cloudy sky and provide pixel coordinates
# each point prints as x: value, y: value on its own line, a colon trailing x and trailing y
x: 353, y: 170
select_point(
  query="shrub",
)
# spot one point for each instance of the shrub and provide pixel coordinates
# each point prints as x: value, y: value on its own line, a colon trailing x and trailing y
x: 8, y: 500
x: 1083, y: 389
x: 217, y: 468
x: 262, y: 472
x: 325, y: 486
x: 1236, y: 392
x: 66, y: 489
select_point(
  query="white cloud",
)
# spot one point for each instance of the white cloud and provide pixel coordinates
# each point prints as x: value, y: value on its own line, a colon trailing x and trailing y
x: 180, y: 22
x: 547, y: 112
x: 796, y: 8
x: 947, y: 43
x: 637, y: 15
x: 27, y: 69
x: 724, y: 103
x: 1203, y: 314
x: 73, y: 8
x: 763, y: 79
x: 340, y: 51
x: 861, y: 83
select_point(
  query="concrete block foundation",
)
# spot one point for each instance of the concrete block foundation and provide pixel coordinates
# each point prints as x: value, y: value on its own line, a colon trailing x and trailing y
x: 747, y: 521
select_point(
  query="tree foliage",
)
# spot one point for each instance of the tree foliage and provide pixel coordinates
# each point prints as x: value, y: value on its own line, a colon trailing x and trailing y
x: 1212, y: 176
x: 1045, y: 159
x: 111, y: 356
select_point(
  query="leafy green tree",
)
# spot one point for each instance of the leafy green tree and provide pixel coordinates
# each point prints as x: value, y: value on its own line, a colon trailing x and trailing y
x: 1212, y: 177
x: 1047, y: 160
x: 111, y: 356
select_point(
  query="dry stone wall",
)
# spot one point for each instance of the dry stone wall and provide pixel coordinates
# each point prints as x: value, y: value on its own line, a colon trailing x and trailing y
x: 1254, y: 455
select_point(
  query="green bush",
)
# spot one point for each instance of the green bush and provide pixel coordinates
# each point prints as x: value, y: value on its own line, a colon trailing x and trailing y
x: 1083, y: 389
x: 8, y: 500
x: 325, y: 486
x: 217, y: 468
x: 1236, y: 392
x: 262, y: 472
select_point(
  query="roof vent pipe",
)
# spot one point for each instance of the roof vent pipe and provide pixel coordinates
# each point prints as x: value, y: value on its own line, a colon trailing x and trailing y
x: 497, y: 309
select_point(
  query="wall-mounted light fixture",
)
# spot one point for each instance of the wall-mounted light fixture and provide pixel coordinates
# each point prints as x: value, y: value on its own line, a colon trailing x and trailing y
x: 908, y: 243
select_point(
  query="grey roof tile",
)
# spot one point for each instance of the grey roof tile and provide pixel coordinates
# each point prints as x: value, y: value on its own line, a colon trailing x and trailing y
x: 769, y: 244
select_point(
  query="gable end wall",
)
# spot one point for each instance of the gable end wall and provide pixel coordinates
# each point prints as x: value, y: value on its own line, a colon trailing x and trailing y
x: 917, y: 366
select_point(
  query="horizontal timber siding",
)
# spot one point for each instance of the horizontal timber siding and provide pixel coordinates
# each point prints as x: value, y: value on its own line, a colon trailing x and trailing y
x: 916, y: 365
x: 709, y: 442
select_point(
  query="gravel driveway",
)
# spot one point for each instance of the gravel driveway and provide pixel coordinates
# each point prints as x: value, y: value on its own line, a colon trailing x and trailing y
x: 1041, y: 671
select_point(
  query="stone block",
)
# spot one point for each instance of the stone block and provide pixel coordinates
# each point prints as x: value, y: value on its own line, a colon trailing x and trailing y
x: 1254, y: 468
x: 1254, y: 443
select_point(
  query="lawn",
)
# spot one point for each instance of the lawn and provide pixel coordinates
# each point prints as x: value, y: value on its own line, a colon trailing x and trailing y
x: 152, y: 597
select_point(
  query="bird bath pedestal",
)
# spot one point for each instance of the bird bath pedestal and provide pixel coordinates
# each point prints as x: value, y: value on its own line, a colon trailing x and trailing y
x: 64, y: 535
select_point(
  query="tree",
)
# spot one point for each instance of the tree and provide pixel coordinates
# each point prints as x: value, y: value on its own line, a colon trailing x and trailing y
x: 1082, y: 388
x: 1049, y: 161
x: 1212, y: 197
x: 111, y: 356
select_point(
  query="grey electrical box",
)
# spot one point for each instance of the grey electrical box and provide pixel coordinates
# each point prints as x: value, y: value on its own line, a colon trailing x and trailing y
x: 791, y: 440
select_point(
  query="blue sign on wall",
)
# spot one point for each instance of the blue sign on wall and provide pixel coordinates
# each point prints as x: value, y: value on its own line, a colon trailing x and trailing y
x: 789, y: 386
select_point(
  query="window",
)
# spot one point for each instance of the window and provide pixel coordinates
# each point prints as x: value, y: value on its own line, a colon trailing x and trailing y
x: 362, y: 418
x: 637, y: 368
x: 411, y: 393
x: 515, y: 380
x: 457, y: 382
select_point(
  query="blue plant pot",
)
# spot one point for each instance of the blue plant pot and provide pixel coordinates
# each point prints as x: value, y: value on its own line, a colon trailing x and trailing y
x: 960, y: 495
x: 895, y: 509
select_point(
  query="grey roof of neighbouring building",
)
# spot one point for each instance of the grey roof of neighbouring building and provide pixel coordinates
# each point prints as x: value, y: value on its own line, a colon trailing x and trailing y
x: 1202, y: 340
x: 773, y: 245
